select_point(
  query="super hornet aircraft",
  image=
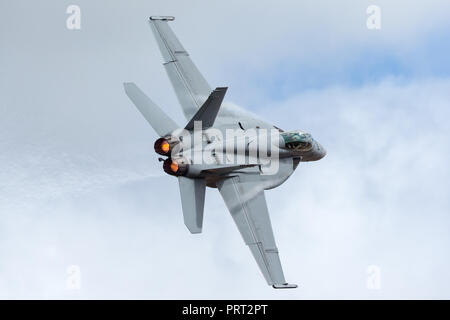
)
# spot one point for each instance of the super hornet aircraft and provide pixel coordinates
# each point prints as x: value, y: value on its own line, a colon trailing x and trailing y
x: 241, y: 184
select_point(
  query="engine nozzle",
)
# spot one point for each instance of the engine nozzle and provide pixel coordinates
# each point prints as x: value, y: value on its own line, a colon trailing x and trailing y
x: 162, y: 147
x: 176, y: 167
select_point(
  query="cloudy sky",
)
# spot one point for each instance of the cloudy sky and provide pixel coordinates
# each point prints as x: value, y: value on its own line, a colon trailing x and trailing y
x: 81, y: 186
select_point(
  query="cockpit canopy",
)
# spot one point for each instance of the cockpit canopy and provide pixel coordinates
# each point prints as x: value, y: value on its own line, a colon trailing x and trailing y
x: 297, y: 140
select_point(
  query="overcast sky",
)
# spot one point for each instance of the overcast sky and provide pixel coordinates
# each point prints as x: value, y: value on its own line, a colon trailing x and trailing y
x: 80, y: 184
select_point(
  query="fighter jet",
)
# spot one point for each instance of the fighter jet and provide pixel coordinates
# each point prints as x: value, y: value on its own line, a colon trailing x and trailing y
x: 222, y: 147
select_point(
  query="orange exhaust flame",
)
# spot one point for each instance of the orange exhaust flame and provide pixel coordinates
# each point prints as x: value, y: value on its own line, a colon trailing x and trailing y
x: 165, y: 147
x: 174, y: 166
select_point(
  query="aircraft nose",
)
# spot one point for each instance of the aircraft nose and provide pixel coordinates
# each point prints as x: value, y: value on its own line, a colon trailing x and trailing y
x: 321, y: 152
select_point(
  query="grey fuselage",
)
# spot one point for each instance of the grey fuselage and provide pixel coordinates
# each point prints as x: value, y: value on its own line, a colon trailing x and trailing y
x: 218, y: 151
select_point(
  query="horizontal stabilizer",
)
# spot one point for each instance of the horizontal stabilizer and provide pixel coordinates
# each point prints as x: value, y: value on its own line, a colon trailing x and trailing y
x: 192, y: 192
x: 208, y: 112
x: 159, y: 121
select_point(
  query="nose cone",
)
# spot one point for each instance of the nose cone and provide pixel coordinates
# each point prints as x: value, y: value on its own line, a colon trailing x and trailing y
x: 321, y: 152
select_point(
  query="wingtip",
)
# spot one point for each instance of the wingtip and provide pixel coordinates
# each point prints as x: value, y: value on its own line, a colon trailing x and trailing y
x: 163, y: 18
x: 285, y: 286
x: 127, y: 85
x: 221, y: 89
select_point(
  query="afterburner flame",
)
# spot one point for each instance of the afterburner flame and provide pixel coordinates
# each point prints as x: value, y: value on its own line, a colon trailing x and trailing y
x: 162, y: 146
x: 174, y: 166
x: 165, y: 147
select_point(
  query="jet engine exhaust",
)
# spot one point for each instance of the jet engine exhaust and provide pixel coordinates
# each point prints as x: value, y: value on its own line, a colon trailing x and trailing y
x: 162, y: 147
x: 175, y: 167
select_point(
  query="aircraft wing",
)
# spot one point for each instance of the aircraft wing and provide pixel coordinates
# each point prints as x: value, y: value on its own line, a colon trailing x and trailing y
x: 245, y: 200
x: 191, y: 88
